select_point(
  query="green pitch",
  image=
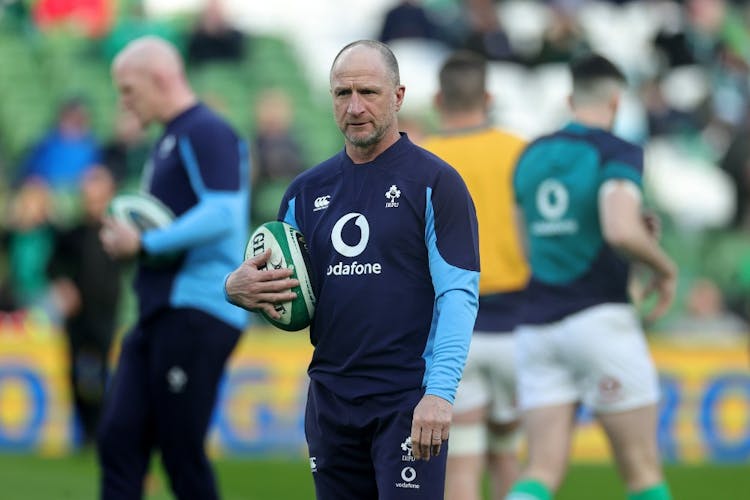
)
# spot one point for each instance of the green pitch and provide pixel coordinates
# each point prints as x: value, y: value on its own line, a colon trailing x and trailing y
x: 27, y: 477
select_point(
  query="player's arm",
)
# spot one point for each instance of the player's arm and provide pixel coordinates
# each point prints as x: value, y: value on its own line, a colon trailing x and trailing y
x: 209, y: 219
x: 624, y: 228
x: 452, y: 246
x: 216, y: 165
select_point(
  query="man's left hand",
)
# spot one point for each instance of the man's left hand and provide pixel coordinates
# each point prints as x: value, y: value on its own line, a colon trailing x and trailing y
x: 430, y: 426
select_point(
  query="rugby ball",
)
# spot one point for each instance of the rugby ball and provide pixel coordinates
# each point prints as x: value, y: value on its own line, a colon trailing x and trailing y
x: 144, y: 212
x: 141, y: 210
x: 288, y: 249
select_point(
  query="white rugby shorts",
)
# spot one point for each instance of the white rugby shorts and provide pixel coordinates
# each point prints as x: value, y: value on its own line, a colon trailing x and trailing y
x: 598, y: 356
x: 489, y: 377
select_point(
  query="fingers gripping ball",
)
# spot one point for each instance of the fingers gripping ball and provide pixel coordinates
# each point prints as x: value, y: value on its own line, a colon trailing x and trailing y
x: 288, y: 249
x: 144, y: 212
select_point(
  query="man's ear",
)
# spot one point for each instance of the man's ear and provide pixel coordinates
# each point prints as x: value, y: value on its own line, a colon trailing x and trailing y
x: 614, y: 102
x: 437, y: 100
x: 614, y: 106
x: 400, y: 92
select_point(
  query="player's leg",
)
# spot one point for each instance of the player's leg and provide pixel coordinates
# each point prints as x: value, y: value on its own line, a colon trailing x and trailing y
x: 340, y: 459
x: 76, y: 338
x: 125, y: 438
x: 188, y: 355
x: 504, y: 430
x: 548, y: 432
x: 398, y: 474
x: 547, y: 397
x: 91, y: 368
x: 467, y: 455
x: 468, y: 433
x: 632, y: 435
x: 622, y: 388
x: 503, y: 465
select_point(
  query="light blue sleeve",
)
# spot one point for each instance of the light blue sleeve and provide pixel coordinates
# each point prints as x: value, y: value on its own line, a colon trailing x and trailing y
x: 208, y: 220
x: 456, y: 304
x: 213, y: 217
x: 289, y: 216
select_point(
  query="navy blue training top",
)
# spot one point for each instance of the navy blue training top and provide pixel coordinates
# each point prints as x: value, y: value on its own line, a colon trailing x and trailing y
x: 199, y: 169
x: 557, y: 184
x: 395, y: 266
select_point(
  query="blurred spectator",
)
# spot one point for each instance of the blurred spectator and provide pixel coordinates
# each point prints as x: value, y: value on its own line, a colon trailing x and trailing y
x: 30, y: 241
x: 90, y: 17
x: 61, y: 156
x: 730, y: 87
x: 712, y: 23
x: 127, y: 150
x: 705, y: 317
x: 7, y: 298
x: 714, y: 35
x: 277, y: 153
x: 7, y: 301
x: 563, y: 38
x: 86, y: 290
x: 663, y: 118
x: 736, y: 163
x: 673, y: 48
x: 132, y: 22
x: 213, y: 38
x: 409, y: 19
x: 486, y: 35
x: 17, y: 15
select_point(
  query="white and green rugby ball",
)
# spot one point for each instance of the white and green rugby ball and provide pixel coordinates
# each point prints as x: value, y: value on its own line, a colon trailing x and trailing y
x: 288, y: 249
x: 144, y: 211
x: 141, y: 210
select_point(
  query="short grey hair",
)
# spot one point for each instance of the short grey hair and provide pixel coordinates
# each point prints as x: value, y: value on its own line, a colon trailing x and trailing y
x: 385, y: 52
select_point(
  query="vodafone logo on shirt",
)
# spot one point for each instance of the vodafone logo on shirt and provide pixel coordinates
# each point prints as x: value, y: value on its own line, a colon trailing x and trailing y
x: 338, y: 243
x: 345, y: 249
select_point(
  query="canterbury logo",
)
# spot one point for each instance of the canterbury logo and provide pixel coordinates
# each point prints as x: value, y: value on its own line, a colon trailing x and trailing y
x: 364, y: 236
x: 322, y: 202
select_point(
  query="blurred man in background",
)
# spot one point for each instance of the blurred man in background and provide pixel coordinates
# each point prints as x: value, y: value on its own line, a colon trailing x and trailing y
x: 581, y: 340
x: 86, y: 289
x: 166, y: 382
x: 485, y: 431
x: 66, y: 150
x: 278, y: 156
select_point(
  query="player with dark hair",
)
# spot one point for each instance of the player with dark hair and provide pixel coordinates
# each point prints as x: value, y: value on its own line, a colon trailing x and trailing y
x: 581, y: 340
x: 166, y: 383
x: 485, y: 431
x: 391, y: 341
x: 85, y: 284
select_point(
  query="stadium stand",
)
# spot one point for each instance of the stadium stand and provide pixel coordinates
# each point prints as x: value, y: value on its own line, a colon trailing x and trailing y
x: 291, y: 44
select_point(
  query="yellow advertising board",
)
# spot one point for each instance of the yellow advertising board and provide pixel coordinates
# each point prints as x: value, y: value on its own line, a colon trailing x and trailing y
x: 704, y: 415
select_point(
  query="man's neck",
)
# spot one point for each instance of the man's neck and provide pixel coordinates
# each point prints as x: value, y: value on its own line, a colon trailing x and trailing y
x: 180, y: 103
x: 453, y: 122
x: 595, y: 116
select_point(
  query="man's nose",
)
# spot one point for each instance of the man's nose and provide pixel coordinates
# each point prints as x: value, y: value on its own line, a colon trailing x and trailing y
x: 355, y: 104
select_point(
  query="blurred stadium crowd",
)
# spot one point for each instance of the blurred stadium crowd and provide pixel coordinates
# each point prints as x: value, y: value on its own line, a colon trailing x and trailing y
x: 265, y: 66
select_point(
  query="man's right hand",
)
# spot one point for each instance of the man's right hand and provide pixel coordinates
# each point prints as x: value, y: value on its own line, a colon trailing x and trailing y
x: 664, y: 285
x: 255, y: 288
